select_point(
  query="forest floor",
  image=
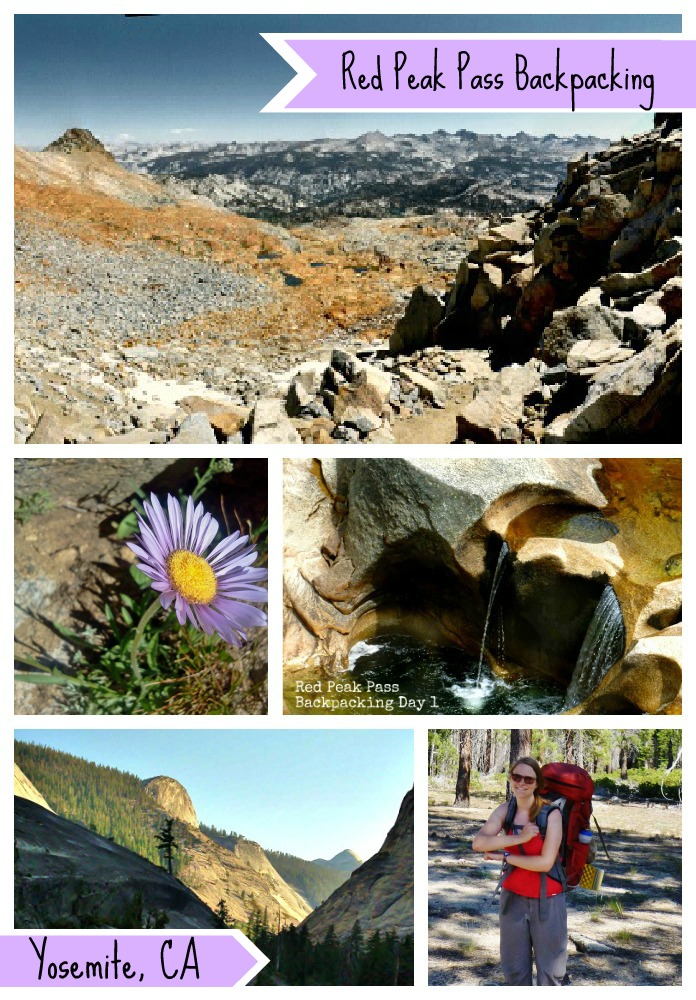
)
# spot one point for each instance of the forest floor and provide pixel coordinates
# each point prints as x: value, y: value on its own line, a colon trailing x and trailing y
x: 637, y: 913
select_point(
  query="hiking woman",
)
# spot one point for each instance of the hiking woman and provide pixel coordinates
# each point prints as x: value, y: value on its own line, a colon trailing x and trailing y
x: 532, y: 901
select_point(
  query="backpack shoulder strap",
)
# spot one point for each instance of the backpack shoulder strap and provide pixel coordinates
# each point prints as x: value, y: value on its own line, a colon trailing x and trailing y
x: 510, y: 815
x: 543, y: 816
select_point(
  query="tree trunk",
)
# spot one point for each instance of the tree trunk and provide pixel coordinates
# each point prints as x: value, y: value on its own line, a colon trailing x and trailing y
x: 488, y: 766
x: 520, y: 746
x: 623, y: 763
x: 461, y: 792
x: 570, y: 746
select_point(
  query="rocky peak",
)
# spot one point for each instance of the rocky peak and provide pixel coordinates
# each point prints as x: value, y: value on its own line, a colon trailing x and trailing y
x: 345, y: 861
x: 172, y: 798
x: 78, y: 140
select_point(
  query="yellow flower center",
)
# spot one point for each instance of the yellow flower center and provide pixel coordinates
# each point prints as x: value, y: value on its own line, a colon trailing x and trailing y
x: 191, y: 576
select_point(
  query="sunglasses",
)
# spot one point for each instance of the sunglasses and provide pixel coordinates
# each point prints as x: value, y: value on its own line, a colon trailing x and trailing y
x: 522, y: 777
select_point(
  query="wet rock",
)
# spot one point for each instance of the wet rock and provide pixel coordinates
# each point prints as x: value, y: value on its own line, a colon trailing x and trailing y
x: 407, y: 528
x: 648, y: 679
x: 663, y: 611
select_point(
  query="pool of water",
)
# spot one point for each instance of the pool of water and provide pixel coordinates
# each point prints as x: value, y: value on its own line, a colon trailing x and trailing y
x: 291, y: 279
x: 445, y: 679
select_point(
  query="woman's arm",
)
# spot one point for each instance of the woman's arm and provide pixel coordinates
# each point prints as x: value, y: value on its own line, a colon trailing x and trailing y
x: 489, y: 837
x: 545, y: 861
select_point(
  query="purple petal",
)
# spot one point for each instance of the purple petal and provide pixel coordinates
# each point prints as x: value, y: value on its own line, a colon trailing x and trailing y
x: 213, y: 621
x: 206, y: 536
x: 175, y: 521
x: 159, y: 521
x: 241, y: 572
x: 155, y: 543
x: 191, y: 521
x: 226, y: 546
x: 245, y: 592
x: 181, y: 609
x: 239, y: 615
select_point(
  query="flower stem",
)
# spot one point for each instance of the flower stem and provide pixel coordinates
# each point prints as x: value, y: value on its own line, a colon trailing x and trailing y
x: 138, y: 637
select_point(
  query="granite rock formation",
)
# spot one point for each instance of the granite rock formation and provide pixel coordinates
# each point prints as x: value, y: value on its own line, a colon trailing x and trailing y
x: 68, y: 876
x: 410, y: 546
x: 379, y: 893
x: 173, y: 798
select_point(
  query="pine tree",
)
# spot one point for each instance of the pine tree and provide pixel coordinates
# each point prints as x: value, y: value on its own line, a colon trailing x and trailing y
x: 166, y: 843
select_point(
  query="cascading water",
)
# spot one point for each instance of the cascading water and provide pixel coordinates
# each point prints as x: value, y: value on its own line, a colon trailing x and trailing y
x: 602, y: 646
x: 497, y: 576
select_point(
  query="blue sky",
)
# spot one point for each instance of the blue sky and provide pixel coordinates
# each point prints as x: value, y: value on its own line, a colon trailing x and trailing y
x: 311, y: 793
x: 205, y: 77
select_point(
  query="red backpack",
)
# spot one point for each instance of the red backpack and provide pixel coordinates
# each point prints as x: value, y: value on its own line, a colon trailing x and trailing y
x: 570, y: 788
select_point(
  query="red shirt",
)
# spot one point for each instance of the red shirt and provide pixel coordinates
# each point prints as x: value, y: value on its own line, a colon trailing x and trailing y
x: 526, y: 883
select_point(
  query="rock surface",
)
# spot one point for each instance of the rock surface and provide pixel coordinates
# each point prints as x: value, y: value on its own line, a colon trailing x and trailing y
x: 173, y: 798
x: 377, y: 546
x: 379, y: 893
x: 67, y: 876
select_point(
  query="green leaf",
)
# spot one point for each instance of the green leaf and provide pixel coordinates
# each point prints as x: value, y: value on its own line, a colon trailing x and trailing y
x: 56, y: 677
x: 31, y: 661
x: 128, y: 526
x: 140, y: 578
x: 51, y: 678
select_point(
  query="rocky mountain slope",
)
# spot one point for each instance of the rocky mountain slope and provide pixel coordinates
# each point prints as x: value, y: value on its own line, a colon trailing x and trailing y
x: 379, y: 893
x: 25, y: 789
x: 78, y: 160
x: 143, y: 319
x: 240, y: 873
x: 69, y: 876
x: 371, y: 175
x: 184, y: 323
x: 563, y: 325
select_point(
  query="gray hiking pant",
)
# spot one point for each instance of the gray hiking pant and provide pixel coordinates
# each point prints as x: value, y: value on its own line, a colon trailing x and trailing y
x: 522, y: 931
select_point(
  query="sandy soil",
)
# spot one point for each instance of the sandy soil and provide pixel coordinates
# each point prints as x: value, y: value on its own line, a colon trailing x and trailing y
x: 637, y: 914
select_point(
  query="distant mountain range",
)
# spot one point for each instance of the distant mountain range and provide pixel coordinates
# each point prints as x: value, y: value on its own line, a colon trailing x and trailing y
x: 371, y: 175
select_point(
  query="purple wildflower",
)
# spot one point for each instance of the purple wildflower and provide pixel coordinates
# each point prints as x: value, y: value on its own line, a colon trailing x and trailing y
x: 208, y: 590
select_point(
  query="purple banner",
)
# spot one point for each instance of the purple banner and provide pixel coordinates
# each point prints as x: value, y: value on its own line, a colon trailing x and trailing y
x: 222, y: 959
x: 415, y: 73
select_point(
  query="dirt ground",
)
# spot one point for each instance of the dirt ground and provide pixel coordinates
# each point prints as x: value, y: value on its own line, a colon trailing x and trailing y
x: 637, y: 913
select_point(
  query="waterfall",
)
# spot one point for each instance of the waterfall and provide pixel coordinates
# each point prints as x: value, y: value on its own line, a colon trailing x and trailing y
x: 500, y: 652
x: 499, y: 569
x: 602, y: 646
